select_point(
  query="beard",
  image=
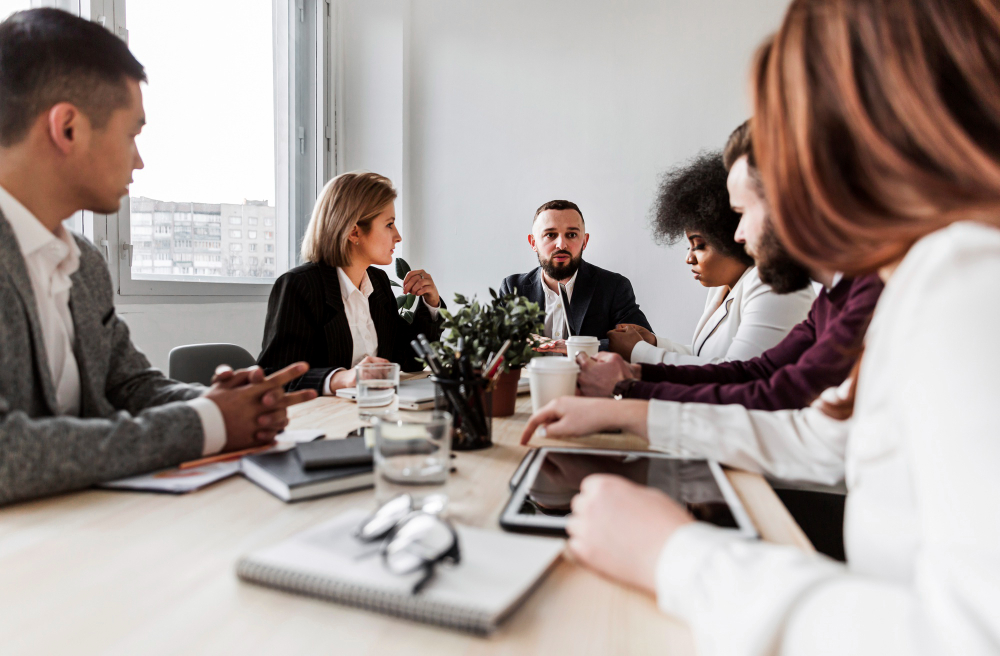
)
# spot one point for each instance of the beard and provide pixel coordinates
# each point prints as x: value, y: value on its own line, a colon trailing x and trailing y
x: 560, y: 271
x: 775, y: 266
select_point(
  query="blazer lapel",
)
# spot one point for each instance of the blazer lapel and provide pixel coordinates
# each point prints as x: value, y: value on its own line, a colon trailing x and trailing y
x: 12, y: 260
x: 583, y: 291
x: 87, y: 327
x: 379, y: 304
x: 340, y: 344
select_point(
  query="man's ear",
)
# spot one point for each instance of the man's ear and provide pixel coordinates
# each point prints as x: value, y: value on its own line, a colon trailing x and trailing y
x: 586, y: 239
x: 531, y: 242
x: 66, y: 125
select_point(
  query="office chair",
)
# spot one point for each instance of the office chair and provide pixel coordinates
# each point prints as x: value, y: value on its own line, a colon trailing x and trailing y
x: 196, y: 363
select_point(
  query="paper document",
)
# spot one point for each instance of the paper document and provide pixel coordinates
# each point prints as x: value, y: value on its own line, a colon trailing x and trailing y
x: 176, y: 481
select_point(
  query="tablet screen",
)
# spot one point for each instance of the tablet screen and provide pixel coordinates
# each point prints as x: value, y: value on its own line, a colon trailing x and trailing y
x: 689, y: 482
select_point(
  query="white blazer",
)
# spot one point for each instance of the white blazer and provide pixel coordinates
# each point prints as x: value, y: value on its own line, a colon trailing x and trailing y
x: 920, y: 459
x: 751, y: 319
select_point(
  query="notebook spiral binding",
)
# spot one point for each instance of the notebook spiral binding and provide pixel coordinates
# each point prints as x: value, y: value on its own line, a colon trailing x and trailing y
x: 412, y: 607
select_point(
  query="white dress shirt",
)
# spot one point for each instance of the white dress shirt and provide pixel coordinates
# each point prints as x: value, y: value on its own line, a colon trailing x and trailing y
x: 738, y: 324
x: 555, y: 315
x: 359, y: 318
x: 920, y: 459
x: 51, y: 258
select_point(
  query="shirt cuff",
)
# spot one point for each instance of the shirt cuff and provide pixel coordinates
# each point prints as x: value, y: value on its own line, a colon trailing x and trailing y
x: 680, y: 567
x: 326, y: 383
x: 433, y: 310
x: 663, y: 426
x: 644, y: 352
x: 213, y: 425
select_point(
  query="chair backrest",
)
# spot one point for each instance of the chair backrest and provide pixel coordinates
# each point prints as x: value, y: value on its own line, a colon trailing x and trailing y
x: 196, y: 363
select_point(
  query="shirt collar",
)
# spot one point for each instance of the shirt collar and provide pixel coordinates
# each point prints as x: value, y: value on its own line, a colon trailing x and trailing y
x: 347, y: 287
x: 569, y: 287
x: 32, y: 236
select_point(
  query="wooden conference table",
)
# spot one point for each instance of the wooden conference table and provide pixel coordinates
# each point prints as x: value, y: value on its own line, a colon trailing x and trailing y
x: 133, y: 573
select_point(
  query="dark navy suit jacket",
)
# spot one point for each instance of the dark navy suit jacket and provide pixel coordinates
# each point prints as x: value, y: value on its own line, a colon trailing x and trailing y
x: 601, y: 300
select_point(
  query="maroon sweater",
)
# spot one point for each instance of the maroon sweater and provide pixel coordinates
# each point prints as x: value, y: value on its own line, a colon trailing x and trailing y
x: 817, y: 354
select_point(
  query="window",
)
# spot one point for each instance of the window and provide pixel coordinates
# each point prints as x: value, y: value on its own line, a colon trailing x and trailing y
x: 268, y: 235
x: 277, y: 150
x: 268, y: 248
x: 268, y: 260
x: 251, y: 234
x: 252, y: 247
x: 235, y: 260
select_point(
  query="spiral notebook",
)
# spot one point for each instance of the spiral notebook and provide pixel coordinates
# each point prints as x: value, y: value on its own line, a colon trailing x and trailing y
x: 498, y: 571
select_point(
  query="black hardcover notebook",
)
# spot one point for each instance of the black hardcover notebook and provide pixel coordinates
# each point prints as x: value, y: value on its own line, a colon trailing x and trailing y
x: 281, y: 474
x: 350, y: 451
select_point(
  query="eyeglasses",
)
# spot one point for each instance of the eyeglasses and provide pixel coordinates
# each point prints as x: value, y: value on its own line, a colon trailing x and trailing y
x: 412, y: 539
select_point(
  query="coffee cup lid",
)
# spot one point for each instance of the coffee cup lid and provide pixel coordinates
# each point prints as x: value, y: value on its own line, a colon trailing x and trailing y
x: 556, y: 364
x: 584, y: 339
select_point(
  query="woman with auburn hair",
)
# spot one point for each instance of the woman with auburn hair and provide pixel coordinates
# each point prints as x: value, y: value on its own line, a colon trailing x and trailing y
x: 878, y: 143
x: 338, y: 310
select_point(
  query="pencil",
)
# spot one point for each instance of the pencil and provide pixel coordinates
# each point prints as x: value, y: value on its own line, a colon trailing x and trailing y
x: 224, y: 457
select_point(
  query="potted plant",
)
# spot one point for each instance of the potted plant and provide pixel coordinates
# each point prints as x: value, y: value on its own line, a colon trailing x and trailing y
x: 484, y: 327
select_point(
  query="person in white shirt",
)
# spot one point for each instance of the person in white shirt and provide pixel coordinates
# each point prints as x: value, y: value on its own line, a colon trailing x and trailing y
x: 338, y: 310
x: 743, y: 315
x: 79, y: 403
x: 902, y: 177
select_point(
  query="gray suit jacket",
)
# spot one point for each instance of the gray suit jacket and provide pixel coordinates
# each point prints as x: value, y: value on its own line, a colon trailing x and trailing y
x: 132, y: 419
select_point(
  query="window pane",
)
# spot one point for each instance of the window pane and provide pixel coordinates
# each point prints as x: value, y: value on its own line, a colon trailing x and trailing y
x: 208, y: 145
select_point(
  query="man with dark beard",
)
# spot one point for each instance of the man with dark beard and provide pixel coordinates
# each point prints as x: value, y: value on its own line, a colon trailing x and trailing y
x: 599, y: 300
x: 818, y: 353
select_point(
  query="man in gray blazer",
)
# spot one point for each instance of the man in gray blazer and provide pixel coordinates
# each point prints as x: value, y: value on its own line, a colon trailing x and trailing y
x: 79, y: 403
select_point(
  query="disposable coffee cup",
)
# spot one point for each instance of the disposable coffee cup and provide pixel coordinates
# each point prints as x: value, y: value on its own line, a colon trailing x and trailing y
x: 551, y: 377
x: 580, y: 344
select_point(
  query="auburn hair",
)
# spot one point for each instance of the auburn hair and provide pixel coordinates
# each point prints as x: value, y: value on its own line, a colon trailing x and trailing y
x: 348, y: 200
x: 877, y: 122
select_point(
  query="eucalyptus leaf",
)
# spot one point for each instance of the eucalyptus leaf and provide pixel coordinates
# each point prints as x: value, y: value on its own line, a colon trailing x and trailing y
x: 400, y: 302
x: 393, y: 283
x: 409, y: 300
x: 407, y: 316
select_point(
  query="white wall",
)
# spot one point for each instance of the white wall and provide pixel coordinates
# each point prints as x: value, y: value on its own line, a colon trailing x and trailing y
x: 481, y: 111
x: 514, y: 103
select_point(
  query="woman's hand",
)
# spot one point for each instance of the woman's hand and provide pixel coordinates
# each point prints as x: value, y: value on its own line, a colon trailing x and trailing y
x: 619, y: 528
x: 644, y: 333
x: 348, y: 377
x: 545, y: 344
x: 623, y: 339
x: 419, y: 283
x: 575, y: 416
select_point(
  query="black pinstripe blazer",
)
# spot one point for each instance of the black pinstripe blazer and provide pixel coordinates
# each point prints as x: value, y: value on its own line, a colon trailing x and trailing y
x: 306, y: 321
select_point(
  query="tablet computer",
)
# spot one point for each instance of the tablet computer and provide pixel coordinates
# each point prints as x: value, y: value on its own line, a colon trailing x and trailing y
x: 549, y: 478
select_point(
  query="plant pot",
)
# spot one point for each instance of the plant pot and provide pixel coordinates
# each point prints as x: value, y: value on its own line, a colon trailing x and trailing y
x: 505, y: 394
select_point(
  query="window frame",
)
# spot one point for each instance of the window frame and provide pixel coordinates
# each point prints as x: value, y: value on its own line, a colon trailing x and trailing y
x: 305, y: 148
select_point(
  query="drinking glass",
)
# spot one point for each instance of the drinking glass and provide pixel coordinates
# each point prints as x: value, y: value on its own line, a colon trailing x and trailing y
x: 378, y: 387
x: 412, y: 456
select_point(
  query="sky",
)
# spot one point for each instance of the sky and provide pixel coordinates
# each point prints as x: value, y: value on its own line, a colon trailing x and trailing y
x: 209, y: 103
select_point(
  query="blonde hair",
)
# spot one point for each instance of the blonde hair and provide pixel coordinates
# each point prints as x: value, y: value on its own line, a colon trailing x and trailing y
x: 350, y: 199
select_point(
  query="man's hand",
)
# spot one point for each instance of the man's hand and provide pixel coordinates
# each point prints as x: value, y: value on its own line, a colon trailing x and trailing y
x: 644, y: 332
x: 349, y: 377
x: 574, y: 416
x: 255, y: 411
x: 599, y: 375
x: 623, y: 339
x: 419, y: 283
x: 619, y: 528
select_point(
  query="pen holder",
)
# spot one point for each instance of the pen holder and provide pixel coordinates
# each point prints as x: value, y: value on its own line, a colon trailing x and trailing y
x: 467, y: 401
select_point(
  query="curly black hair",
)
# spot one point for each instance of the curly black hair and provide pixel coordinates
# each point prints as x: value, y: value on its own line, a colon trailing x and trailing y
x: 694, y: 197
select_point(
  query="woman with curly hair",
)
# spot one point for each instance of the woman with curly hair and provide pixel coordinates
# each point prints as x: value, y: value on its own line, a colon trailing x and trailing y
x: 743, y: 316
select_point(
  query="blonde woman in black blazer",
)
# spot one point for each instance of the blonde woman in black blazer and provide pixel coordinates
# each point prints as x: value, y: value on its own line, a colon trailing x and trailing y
x: 338, y: 310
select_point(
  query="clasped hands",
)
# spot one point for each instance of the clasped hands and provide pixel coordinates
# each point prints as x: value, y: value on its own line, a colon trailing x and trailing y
x: 254, y: 406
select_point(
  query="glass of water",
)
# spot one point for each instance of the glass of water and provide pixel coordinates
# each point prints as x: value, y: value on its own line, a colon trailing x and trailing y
x: 378, y: 387
x: 412, y: 457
